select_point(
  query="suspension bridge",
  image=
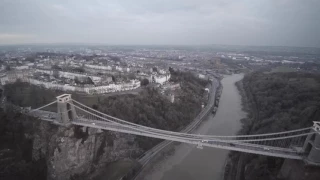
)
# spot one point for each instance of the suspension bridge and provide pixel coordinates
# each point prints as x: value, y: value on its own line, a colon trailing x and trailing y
x: 301, y: 144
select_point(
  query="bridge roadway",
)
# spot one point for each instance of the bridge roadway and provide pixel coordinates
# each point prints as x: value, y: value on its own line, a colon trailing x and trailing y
x: 96, y: 116
x: 234, y: 146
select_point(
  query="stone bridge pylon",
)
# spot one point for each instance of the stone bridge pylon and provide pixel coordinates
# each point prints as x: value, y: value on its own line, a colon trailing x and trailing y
x: 65, y: 109
x: 311, y: 147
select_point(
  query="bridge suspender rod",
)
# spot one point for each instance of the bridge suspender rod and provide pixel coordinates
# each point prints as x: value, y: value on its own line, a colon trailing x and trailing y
x: 222, y: 143
x: 278, y: 142
x: 203, y: 136
x: 214, y: 140
x: 288, y: 142
x: 197, y: 138
x: 283, y: 143
x: 90, y: 115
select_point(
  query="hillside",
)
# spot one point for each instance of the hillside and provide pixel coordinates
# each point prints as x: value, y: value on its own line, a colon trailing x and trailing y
x: 276, y: 102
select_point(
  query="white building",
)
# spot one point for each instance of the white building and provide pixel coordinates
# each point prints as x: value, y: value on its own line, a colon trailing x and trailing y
x: 109, y: 68
x: 118, y: 68
x: 160, y: 79
x: 22, y: 67
x: 201, y: 76
x: 161, y: 71
x: 70, y: 75
x: 133, y: 84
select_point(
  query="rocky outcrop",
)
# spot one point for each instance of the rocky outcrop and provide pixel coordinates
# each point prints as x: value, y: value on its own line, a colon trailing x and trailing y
x: 298, y: 170
x: 73, y: 151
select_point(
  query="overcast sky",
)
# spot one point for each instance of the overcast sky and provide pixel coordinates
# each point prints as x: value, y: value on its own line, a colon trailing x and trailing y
x: 153, y: 22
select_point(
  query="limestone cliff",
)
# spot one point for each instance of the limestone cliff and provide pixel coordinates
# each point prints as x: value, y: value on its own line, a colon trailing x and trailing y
x: 73, y: 151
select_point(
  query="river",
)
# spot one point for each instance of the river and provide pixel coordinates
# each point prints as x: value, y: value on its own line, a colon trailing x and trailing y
x: 190, y: 163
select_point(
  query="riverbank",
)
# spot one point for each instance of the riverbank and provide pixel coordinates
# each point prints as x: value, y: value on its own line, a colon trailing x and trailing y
x: 274, y: 102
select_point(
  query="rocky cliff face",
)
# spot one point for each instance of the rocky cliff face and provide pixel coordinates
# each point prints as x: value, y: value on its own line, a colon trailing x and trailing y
x: 74, y: 151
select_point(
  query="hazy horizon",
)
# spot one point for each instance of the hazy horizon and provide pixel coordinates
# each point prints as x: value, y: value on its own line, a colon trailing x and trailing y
x: 285, y: 23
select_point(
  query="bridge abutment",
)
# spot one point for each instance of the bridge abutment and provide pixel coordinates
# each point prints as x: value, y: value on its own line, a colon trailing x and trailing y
x: 66, y: 110
x: 311, y: 147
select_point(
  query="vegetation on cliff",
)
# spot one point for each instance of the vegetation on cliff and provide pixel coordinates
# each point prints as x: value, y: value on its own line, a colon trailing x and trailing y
x: 152, y: 109
x: 278, y: 102
x: 16, y: 147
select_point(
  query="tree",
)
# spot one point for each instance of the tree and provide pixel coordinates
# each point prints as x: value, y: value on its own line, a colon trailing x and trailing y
x: 79, y: 69
x: 89, y: 81
x: 95, y: 106
x: 115, y: 58
x: 76, y: 80
x: 113, y: 78
x: 132, y: 76
x: 154, y: 69
x: 55, y: 74
x: 30, y: 59
x: 8, y: 68
x: 171, y: 70
x: 144, y: 82
x: 56, y: 67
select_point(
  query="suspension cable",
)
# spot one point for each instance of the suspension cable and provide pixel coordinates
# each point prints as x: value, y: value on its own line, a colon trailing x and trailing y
x: 42, y: 106
x: 207, y: 136
x: 193, y: 136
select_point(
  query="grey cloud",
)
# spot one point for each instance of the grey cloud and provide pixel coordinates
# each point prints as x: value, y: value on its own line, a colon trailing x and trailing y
x: 245, y: 22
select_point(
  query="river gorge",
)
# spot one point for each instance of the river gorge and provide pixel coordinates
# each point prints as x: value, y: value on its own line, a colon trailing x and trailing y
x: 190, y: 163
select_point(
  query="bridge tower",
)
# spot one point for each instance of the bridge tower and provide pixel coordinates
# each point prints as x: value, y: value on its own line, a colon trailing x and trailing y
x: 66, y: 110
x: 311, y: 147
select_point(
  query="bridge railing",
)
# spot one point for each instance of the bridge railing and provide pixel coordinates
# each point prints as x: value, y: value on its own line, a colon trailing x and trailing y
x: 279, y: 141
x: 216, y: 143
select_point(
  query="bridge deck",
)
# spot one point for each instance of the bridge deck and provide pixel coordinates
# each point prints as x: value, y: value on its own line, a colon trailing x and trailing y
x: 289, y: 153
x: 241, y: 147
